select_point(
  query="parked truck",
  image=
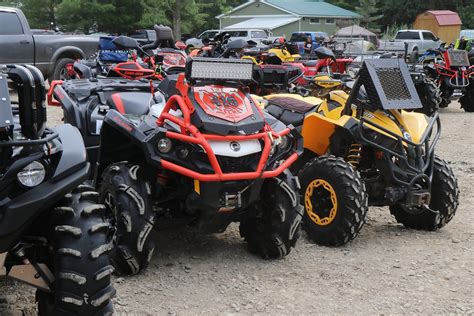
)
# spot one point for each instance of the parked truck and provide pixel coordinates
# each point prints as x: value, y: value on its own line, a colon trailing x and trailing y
x: 50, y: 53
x: 419, y: 41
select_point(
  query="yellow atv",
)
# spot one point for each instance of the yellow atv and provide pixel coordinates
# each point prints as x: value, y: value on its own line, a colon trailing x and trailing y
x: 365, y: 149
x: 280, y: 52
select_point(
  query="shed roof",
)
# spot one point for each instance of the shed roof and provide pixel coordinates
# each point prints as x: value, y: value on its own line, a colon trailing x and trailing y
x: 445, y: 17
x: 354, y: 30
x: 317, y: 8
x: 312, y: 8
x: 263, y: 23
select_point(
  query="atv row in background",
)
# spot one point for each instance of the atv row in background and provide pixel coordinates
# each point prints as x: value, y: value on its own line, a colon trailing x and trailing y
x: 193, y: 150
x: 363, y: 149
x: 453, y: 73
x: 125, y: 57
x: 53, y: 232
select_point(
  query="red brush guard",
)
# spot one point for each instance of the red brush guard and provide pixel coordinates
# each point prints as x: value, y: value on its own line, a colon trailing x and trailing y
x: 190, y: 134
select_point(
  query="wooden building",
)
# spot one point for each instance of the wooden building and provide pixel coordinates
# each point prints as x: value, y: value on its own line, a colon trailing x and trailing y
x: 443, y: 23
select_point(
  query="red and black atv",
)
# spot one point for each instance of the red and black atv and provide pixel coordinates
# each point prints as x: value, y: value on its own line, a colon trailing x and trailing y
x: 452, y: 73
x: 124, y: 57
x: 203, y: 154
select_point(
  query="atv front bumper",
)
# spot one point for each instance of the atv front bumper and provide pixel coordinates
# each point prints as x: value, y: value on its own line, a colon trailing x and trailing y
x: 408, y: 166
x: 220, y: 203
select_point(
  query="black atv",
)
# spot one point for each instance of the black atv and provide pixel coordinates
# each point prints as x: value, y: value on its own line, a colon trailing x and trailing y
x: 427, y: 89
x: 197, y: 152
x: 53, y: 235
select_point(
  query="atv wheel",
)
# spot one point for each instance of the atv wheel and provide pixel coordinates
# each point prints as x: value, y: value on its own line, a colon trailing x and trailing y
x: 81, y: 265
x: 430, y: 96
x: 467, y: 100
x: 444, y: 199
x: 335, y: 200
x: 272, y: 227
x: 126, y: 192
x: 446, y: 94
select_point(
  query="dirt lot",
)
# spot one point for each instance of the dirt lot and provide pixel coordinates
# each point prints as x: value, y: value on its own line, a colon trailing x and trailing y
x: 387, y: 269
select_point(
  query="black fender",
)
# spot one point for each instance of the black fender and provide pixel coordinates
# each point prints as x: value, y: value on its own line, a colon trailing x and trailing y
x: 73, y: 156
x: 83, y: 71
x: 72, y: 114
x: 121, y: 140
x: 71, y: 170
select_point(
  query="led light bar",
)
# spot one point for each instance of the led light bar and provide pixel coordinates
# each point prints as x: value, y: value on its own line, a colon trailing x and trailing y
x: 219, y: 69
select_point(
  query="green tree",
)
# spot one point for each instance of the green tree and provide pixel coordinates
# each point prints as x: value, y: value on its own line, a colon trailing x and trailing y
x: 123, y: 16
x: 81, y: 15
x: 370, y: 12
x: 40, y: 13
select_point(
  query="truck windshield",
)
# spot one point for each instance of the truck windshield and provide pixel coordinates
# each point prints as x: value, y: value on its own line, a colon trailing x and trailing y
x: 408, y: 35
x: 259, y: 34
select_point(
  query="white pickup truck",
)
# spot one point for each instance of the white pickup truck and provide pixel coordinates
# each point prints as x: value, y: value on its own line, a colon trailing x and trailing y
x: 419, y: 41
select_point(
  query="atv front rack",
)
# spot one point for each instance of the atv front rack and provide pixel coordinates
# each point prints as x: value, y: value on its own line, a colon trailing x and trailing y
x: 190, y: 133
x: 426, y: 146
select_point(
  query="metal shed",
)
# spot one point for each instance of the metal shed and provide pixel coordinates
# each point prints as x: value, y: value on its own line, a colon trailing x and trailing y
x: 444, y: 23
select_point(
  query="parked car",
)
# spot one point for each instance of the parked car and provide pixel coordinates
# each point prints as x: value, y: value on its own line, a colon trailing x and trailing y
x: 196, y: 42
x: 419, y: 41
x: 299, y: 38
x: 256, y: 35
x: 144, y: 36
x: 49, y: 52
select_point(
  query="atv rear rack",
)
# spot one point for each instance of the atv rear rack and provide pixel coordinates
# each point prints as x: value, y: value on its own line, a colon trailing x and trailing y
x: 190, y: 133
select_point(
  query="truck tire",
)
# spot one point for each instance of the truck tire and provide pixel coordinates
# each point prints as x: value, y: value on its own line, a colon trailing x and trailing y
x: 444, y: 199
x: 81, y: 267
x: 126, y: 192
x: 271, y: 227
x: 335, y: 201
x: 60, y: 71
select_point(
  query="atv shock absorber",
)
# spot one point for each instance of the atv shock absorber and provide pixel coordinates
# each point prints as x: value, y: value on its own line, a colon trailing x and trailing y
x: 354, y: 155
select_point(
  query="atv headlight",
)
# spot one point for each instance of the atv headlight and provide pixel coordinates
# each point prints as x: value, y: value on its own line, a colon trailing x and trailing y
x: 164, y: 145
x: 285, y: 143
x: 32, y: 175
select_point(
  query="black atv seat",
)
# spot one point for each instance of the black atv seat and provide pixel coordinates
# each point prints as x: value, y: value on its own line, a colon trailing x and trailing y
x: 135, y: 103
x: 290, y: 110
x: 310, y: 63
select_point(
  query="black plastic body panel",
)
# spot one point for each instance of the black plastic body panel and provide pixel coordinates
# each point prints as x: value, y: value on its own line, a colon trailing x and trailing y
x: 71, y: 170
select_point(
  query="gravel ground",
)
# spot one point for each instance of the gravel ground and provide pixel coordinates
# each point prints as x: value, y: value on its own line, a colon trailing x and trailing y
x: 387, y: 269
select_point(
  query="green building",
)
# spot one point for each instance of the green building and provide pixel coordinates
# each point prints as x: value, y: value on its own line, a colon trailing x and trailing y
x: 284, y: 17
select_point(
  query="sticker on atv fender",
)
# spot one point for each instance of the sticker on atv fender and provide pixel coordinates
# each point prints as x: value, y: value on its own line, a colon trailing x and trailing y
x: 228, y: 104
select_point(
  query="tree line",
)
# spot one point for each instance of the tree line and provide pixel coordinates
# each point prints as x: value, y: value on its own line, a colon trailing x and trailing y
x: 192, y: 16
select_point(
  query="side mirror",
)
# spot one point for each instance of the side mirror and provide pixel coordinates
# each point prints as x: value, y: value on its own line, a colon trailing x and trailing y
x: 125, y: 42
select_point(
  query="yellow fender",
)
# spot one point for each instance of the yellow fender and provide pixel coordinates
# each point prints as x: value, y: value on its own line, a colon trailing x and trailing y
x: 252, y: 59
x: 318, y: 129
